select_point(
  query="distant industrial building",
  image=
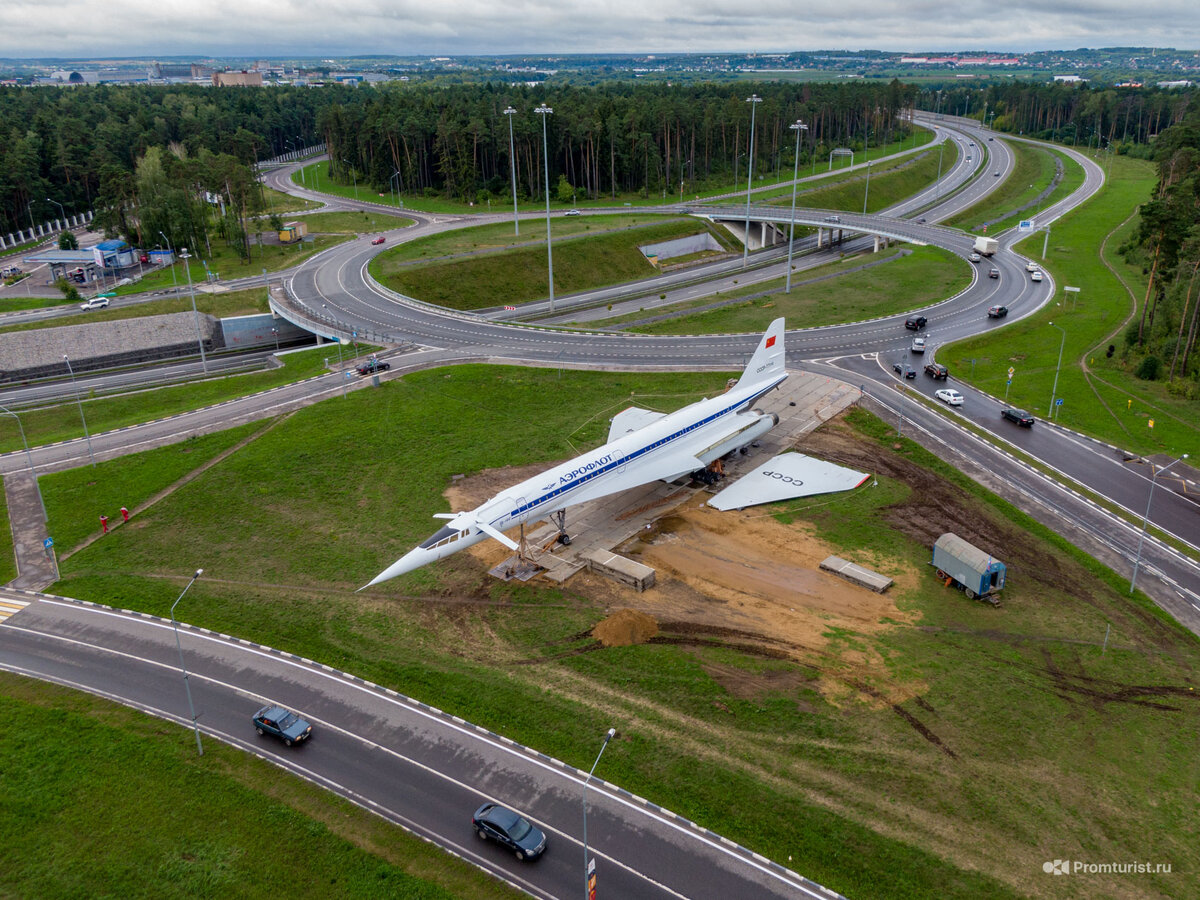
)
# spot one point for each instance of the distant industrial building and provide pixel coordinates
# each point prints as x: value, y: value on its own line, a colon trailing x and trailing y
x: 237, y: 79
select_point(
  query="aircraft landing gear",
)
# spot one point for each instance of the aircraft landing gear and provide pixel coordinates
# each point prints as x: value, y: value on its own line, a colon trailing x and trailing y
x: 559, y: 519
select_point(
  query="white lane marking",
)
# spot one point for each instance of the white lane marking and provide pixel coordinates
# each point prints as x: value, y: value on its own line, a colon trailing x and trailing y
x: 394, y: 701
x: 291, y: 766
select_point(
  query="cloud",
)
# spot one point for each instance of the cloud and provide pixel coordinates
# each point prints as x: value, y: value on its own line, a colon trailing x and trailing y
x: 91, y: 28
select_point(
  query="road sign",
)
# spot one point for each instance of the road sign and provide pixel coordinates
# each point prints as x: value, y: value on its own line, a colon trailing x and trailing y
x: 1008, y: 383
x: 1011, y: 371
x: 1025, y: 225
x: 1070, y: 290
x: 48, y: 543
x: 1058, y: 402
x: 1151, y: 423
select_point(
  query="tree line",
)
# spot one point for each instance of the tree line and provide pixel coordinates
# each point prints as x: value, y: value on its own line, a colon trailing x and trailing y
x: 1127, y: 119
x: 70, y: 146
x: 1161, y: 343
x: 612, y: 139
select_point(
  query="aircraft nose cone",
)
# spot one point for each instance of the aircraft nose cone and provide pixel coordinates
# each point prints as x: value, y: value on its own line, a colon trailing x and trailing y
x: 414, y: 559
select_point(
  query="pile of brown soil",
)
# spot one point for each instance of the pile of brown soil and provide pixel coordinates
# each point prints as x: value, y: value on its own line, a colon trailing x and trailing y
x: 625, y: 627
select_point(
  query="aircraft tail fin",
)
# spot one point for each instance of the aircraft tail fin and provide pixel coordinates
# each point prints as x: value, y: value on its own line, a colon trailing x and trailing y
x: 768, y: 360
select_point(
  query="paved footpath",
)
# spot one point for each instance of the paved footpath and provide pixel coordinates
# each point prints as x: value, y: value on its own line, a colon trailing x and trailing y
x: 36, y: 565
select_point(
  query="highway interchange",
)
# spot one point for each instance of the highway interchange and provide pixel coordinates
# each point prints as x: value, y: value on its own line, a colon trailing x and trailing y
x: 425, y: 770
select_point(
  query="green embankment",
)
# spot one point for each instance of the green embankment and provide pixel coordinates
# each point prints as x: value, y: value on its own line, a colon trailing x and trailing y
x: 819, y: 764
x: 924, y: 276
x: 1113, y: 405
x: 518, y: 275
x: 100, y: 801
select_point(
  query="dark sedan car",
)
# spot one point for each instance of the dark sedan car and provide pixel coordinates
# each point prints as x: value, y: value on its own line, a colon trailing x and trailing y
x: 373, y: 365
x: 283, y: 724
x: 1019, y: 416
x: 997, y: 312
x: 915, y: 323
x: 509, y: 829
x: 904, y: 370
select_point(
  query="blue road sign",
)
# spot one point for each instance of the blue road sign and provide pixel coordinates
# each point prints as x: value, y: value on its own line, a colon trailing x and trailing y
x: 1058, y: 402
x: 48, y: 543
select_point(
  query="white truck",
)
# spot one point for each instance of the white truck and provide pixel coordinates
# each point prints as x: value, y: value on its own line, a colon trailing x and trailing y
x: 986, y: 246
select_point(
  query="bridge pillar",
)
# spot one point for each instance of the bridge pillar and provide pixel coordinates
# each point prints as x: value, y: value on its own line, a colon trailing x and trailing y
x: 877, y: 245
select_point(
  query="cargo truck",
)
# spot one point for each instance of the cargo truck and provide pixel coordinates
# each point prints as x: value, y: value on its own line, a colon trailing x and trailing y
x: 986, y: 246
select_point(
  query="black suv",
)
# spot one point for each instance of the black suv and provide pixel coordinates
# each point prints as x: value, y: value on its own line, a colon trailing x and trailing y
x: 1019, y: 416
x: 937, y: 370
x: 915, y: 323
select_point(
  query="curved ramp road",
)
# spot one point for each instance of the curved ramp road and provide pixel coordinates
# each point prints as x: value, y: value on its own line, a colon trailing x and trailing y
x: 407, y: 762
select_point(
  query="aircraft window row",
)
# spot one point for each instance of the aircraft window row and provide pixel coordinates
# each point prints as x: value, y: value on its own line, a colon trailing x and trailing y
x: 622, y: 461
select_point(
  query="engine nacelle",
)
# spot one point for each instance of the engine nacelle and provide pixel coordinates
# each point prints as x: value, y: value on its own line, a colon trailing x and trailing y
x: 757, y: 425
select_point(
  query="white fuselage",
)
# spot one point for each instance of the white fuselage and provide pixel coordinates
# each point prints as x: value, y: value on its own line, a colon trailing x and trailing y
x: 675, y: 445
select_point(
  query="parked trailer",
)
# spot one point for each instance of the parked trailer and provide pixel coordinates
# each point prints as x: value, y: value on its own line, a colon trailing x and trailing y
x: 979, y: 574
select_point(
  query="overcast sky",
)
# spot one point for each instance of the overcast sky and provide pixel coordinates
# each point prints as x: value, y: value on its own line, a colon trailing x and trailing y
x: 98, y: 28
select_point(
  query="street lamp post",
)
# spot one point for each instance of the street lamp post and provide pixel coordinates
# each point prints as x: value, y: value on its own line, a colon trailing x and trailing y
x: 341, y: 374
x: 607, y: 737
x: 753, y: 100
x: 185, y: 256
x: 509, y: 112
x: 4, y: 410
x: 354, y: 176
x: 395, y: 178
x: 275, y: 332
x: 797, y: 126
x: 544, y: 111
x: 62, y: 212
x: 186, y: 685
x: 867, y: 189
x: 1054, y: 389
x: 75, y: 388
x: 1153, y: 481
x: 299, y: 150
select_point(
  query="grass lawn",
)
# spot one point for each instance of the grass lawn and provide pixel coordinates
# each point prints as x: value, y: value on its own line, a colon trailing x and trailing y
x: 58, y: 423
x: 8, y: 561
x: 478, y: 239
x: 279, y: 202
x: 1112, y: 405
x: 897, y: 181
x: 812, y: 769
x: 925, y: 276
x: 225, y: 262
x: 348, y: 222
x: 1032, y: 174
x: 519, y: 275
x: 84, y: 778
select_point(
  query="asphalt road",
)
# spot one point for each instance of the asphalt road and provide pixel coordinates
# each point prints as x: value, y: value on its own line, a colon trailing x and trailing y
x: 411, y: 764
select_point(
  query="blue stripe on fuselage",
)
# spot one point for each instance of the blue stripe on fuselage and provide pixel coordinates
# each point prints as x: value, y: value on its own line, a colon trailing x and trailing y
x: 596, y: 473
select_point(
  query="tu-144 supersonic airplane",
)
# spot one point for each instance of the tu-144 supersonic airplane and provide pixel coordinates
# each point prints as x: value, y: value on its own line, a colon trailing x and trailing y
x: 643, y: 446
